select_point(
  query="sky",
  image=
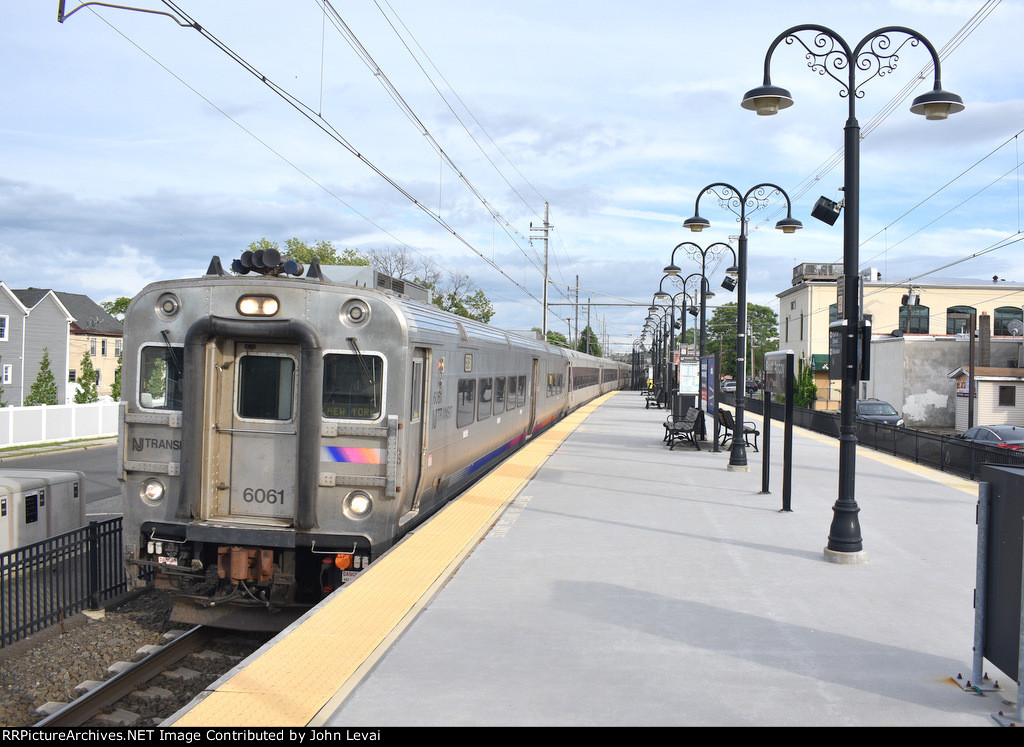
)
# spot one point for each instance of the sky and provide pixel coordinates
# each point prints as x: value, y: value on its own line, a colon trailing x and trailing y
x: 133, y: 149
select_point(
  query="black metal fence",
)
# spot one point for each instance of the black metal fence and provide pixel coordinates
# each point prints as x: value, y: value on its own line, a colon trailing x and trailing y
x: 45, y: 582
x: 946, y: 453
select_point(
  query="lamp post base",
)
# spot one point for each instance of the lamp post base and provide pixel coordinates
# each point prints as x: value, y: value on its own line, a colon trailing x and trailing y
x: 738, y: 467
x: 846, y: 558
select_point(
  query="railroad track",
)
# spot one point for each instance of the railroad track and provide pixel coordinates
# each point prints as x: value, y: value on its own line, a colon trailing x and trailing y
x: 105, y: 696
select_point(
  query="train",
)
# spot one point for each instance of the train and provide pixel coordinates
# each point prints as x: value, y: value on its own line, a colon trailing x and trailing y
x: 282, y: 427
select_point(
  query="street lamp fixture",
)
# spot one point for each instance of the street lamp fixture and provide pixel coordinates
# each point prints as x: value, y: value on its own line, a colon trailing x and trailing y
x: 732, y: 199
x: 876, y: 55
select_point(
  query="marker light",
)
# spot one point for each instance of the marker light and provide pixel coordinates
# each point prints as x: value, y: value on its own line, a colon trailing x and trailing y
x: 258, y: 305
x: 152, y: 491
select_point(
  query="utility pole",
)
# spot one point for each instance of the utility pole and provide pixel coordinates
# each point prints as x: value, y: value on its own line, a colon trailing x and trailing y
x: 576, y: 311
x: 542, y: 233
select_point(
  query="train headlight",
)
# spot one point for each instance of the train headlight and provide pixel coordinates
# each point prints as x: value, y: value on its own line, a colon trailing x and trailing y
x: 258, y: 305
x: 168, y: 305
x: 355, y: 312
x: 357, y: 505
x: 152, y: 491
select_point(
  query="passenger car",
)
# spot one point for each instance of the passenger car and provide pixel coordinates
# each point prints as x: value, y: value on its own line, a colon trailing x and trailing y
x: 878, y: 411
x: 1003, y: 436
x: 729, y: 385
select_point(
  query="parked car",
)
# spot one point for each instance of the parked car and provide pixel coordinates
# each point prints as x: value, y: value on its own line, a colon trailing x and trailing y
x: 1003, y: 436
x: 878, y: 411
x: 729, y: 385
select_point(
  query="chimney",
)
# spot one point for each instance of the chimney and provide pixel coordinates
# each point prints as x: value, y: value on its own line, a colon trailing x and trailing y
x: 985, y: 340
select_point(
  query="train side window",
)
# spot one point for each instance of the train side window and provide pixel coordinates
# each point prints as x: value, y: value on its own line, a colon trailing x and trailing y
x: 499, y: 395
x: 160, y: 377
x: 521, y: 391
x: 486, y: 398
x: 466, y: 406
x: 353, y: 386
x: 265, y: 387
x: 416, y: 406
x: 510, y: 396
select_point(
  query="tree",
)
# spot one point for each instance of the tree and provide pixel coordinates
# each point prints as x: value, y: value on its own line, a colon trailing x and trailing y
x: 459, y: 296
x: 322, y: 251
x: 117, y: 307
x: 554, y: 338
x: 86, y: 381
x: 588, y: 342
x: 115, y: 388
x: 44, y: 388
x: 763, y: 325
x: 804, y: 390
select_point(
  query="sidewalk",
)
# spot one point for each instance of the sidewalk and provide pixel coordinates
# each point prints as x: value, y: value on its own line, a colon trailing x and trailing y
x: 630, y: 585
x: 55, y: 446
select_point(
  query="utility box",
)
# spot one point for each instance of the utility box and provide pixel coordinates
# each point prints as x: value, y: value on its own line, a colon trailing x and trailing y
x: 38, y: 504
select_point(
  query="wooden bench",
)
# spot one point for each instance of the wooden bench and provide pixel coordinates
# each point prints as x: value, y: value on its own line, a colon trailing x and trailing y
x: 653, y: 398
x: 684, y: 429
x: 727, y: 422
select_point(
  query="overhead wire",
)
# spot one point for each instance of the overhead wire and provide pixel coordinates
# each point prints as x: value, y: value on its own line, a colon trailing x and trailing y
x: 325, y: 126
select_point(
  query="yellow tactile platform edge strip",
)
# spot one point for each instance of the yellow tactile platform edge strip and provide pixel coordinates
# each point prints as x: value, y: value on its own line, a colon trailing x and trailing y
x: 327, y: 652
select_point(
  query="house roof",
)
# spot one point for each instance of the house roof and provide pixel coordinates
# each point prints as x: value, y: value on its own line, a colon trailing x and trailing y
x: 989, y: 372
x: 89, y: 316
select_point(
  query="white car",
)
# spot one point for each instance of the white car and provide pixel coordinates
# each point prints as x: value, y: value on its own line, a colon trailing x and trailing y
x: 729, y: 385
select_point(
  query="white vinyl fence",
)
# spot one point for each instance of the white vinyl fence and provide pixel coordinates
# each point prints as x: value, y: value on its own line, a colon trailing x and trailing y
x: 42, y: 423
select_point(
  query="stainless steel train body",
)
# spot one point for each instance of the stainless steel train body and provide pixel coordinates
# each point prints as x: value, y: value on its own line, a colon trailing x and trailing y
x: 278, y: 434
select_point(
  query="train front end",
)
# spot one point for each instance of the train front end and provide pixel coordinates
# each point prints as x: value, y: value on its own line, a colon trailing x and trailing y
x: 259, y: 459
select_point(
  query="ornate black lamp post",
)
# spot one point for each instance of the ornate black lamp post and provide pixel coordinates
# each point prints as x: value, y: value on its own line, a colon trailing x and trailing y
x: 658, y: 355
x: 693, y: 251
x: 828, y: 54
x: 755, y: 198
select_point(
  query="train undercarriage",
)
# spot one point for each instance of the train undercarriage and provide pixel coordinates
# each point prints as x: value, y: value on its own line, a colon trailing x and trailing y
x: 244, y: 588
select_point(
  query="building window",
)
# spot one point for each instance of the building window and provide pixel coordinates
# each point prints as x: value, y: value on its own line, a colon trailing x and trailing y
x: 7, y: 374
x: 103, y: 347
x: 92, y: 346
x: 117, y: 348
x: 72, y: 374
x: 3, y: 328
x: 1007, y: 396
x: 1004, y: 315
x: 958, y: 319
x: 801, y: 325
x: 914, y: 319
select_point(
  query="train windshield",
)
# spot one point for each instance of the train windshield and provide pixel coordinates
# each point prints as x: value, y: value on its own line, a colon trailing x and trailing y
x: 353, y: 386
x: 265, y: 386
x: 160, y: 377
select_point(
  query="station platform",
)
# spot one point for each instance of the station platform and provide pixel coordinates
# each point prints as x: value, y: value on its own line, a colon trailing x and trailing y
x: 624, y: 584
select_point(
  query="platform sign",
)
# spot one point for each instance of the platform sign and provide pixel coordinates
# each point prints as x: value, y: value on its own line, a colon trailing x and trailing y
x: 780, y: 378
x: 776, y: 366
x: 836, y: 332
x: 689, y: 376
x: 707, y: 384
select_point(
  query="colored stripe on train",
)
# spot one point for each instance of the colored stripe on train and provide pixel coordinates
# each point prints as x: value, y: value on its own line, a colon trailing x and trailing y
x: 352, y: 455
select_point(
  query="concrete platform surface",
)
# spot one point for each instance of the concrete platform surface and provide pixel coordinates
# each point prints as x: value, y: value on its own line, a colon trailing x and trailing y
x: 630, y: 585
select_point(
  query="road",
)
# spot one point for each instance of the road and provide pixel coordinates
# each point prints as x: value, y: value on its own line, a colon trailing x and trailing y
x: 98, y: 463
